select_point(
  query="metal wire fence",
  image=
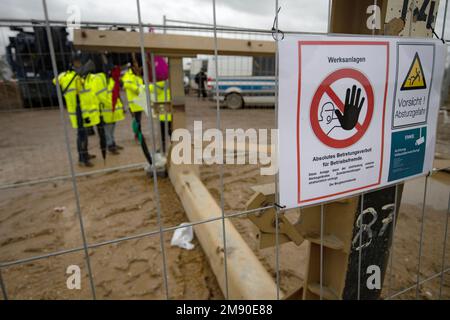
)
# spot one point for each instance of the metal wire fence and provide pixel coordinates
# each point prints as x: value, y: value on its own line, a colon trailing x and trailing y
x: 52, y: 168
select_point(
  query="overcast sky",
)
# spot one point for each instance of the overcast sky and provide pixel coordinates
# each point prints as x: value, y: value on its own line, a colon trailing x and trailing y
x: 298, y: 15
x: 303, y: 15
x: 295, y: 14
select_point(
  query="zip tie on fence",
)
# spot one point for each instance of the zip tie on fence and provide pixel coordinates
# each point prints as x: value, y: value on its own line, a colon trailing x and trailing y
x: 276, y: 31
x: 445, y: 169
x: 279, y: 206
x: 435, y: 34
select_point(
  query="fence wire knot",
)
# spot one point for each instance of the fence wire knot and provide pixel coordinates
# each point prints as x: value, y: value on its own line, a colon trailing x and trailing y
x: 429, y: 26
x: 279, y: 206
x: 275, y: 31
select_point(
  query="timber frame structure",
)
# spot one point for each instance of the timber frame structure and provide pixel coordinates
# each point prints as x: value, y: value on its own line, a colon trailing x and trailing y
x: 169, y: 45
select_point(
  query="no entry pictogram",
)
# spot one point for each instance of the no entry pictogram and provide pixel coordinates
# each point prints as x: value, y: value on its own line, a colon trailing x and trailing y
x: 325, y: 88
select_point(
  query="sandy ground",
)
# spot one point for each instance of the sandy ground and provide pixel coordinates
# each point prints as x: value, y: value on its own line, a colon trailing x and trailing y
x: 122, y: 204
x: 130, y: 269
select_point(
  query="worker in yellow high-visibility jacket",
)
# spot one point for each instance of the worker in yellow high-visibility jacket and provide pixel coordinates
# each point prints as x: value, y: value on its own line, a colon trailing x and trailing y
x: 162, y: 98
x: 132, y: 83
x: 103, y: 87
x: 88, y: 101
x: 85, y: 116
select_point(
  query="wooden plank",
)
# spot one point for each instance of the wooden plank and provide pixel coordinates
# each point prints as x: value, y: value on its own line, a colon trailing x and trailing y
x: 338, y: 223
x: 176, y: 75
x: 168, y: 44
x: 329, y: 241
x: 267, y: 189
x: 395, y: 17
x: 350, y: 16
x: 328, y: 293
x: 247, y: 278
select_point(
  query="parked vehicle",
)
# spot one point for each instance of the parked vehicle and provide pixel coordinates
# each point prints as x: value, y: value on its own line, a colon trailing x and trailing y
x: 242, y: 80
x: 28, y: 58
x: 236, y: 92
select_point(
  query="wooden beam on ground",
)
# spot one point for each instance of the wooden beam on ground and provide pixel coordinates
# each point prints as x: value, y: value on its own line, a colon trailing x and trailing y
x: 247, y: 278
x: 168, y: 44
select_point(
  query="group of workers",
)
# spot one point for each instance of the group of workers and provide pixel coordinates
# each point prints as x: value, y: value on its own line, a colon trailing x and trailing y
x: 102, y: 99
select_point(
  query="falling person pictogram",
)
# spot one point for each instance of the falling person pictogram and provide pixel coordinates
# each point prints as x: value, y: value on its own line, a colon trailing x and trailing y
x: 415, y: 79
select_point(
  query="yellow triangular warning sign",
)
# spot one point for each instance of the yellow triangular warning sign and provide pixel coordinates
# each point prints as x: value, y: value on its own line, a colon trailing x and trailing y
x: 415, y: 78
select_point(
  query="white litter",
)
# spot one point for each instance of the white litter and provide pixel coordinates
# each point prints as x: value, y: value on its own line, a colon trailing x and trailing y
x: 159, y: 162
x: 182, y: 237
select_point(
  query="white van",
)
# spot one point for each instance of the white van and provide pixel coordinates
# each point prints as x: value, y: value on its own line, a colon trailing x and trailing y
x: 242, y: 80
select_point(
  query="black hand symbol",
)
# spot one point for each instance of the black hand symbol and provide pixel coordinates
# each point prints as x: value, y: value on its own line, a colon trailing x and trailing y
x: 352, y: 108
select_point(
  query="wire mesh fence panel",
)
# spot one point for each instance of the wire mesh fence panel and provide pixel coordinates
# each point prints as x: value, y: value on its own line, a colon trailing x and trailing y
x: 412, y: 241
x: 434, y: 233
x: 114, y: 223
x: 406, y: 242
x: 33, y: 148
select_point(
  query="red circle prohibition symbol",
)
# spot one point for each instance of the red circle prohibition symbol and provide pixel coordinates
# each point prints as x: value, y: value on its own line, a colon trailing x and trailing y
x: 325, y: 87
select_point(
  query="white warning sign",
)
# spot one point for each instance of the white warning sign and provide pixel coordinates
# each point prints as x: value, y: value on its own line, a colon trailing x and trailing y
x: 335, y: 107
x: 414, y: 75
